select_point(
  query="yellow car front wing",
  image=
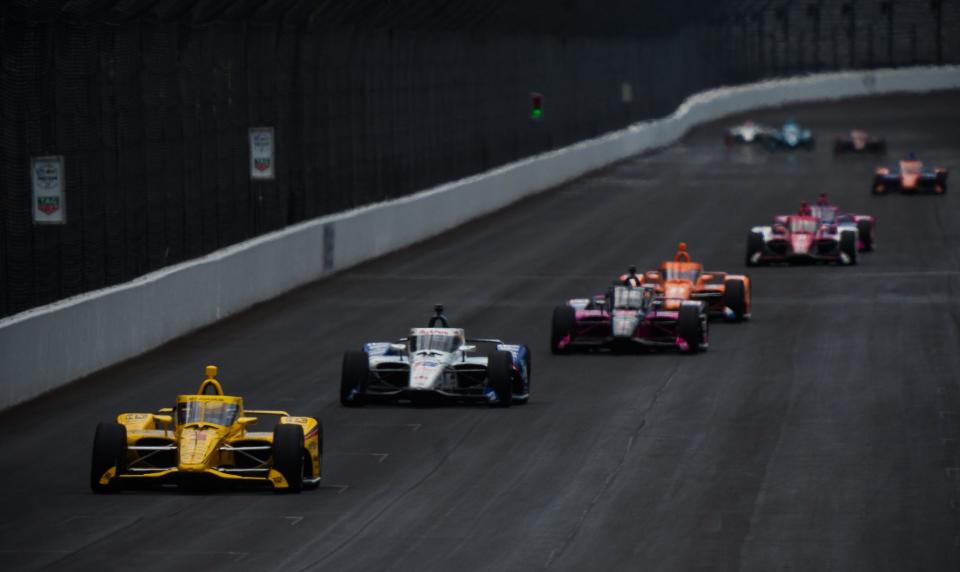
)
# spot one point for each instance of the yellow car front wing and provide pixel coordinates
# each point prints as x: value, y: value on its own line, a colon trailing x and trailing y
x: 274, y: 477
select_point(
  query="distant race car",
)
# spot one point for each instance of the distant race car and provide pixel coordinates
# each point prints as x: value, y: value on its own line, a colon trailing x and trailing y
x: 910, y: 176
x: 809, y: 236
x: 437, y: 363
x: 726, y: 295
x: 858, y: 141
x: 790, y: 136
x: 205, y: 439
x: 629, y: 318
x: 747, y: 132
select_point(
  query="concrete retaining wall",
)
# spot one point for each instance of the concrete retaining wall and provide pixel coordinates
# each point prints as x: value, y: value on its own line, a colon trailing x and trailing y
x: 47, y: 347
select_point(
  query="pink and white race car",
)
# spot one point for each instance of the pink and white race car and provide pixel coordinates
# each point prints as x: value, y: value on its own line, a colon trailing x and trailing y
x: 821, y: 233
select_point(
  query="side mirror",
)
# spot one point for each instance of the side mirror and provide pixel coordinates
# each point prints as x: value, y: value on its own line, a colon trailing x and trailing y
x: 398, y: 347
x: 165, y: 410
x: 165, y: 420
x: 467, y: 348
x: 652, y: 275
x: 247, y: 421
x: 707, y: 277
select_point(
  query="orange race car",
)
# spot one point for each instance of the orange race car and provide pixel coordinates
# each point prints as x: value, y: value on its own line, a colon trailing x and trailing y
x: 726, y: 295
x: 910, y: 176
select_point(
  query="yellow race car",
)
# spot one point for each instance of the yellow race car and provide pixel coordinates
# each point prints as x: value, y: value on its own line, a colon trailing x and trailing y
x: 204, y: 439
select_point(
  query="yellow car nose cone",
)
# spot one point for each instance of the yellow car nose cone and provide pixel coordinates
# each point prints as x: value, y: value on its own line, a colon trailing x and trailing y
x: 196, y: 449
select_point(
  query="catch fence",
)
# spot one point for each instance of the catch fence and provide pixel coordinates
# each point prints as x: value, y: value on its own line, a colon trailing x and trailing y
x: 147, y: 105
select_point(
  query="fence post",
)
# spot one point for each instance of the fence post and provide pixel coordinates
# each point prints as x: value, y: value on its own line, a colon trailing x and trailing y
x: 887, y: 9
x: 784, y: 17
x: 849, y: 11
x: 913, y: 44
x: 813, y: 12
x: 759, y: 19
x: 937, y: 6
x: 834, y: 40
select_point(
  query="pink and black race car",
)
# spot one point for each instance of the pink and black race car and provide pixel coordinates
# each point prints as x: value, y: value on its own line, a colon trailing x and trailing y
x: 858, y: 141
x: 821, y: 233
x: 629, y: 318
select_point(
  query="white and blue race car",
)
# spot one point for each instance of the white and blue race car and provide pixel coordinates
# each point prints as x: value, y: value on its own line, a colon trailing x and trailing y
x: 790, y: 136
x: 436, y: 364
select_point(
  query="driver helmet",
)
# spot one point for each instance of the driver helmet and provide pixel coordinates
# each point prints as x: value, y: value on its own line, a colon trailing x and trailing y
x: 822, y: 200
x: 648, y: 292
x: 631, y: 278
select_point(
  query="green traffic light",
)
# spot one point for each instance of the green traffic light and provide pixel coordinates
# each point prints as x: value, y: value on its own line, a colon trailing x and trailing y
x: 536, y: 113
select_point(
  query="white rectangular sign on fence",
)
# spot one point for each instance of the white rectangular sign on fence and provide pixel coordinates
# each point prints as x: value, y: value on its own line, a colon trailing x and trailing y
x: 261, y: 153
x: 47, y: 178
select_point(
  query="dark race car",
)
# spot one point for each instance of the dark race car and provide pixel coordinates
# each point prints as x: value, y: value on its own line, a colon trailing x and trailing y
x: 859, y: 141
x: 910, y: 176
x: 629, y: 318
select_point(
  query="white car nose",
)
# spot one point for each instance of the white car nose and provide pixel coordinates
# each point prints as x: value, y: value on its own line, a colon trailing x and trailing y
x: 624, y: 325
x: 425, y: 372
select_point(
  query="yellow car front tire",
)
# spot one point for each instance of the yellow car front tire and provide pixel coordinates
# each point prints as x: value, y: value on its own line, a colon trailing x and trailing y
x: 288, y: 453
x: 109, y: 451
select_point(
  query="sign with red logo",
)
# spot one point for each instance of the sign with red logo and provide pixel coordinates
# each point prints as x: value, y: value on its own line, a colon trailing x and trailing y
x: 47, y: 179
x: 261, y: 153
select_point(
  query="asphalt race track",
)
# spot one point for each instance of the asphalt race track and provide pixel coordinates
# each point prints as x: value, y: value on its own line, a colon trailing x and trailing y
x: 823, y: 435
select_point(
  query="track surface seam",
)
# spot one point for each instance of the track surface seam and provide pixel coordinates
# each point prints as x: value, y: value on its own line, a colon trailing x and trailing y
x: 612, y: 476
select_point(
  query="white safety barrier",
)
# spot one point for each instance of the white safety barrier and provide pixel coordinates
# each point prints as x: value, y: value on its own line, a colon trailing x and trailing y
x: 47, y: 347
